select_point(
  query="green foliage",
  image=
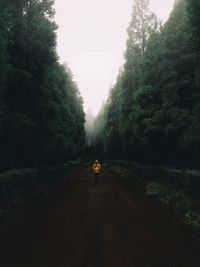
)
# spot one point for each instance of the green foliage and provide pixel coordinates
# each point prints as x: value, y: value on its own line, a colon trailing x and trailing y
x: 194, y: 15
x: 186, y: 181
x: 41, y: 113
x: 178, y: 188
x: 22, y: 185
x: 142, y: 24
x: 152, y: 114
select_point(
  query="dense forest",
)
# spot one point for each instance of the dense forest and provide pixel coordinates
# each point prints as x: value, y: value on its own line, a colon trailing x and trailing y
x: 41, y: 110
x: 152, y: 114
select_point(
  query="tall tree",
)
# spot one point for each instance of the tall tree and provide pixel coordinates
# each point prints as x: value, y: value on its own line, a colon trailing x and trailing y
x: 157, y: 98
x: 194, y: 15
x: 112, y: 139
x: 5, y: 27
x: 44, y: 119
x: 142, y: 24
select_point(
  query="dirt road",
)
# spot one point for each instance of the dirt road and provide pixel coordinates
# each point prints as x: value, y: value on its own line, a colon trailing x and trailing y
x: 84, y: 224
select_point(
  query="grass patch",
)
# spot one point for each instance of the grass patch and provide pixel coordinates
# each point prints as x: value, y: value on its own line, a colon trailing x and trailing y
x: 179, y: 189
x: 18, y: 186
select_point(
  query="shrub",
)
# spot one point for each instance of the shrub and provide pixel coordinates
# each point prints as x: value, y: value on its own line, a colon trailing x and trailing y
x: 178, y: 188
x: 20, y: 185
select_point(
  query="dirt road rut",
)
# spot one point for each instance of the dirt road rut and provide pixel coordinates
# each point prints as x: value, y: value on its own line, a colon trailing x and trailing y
x: 83, y: 224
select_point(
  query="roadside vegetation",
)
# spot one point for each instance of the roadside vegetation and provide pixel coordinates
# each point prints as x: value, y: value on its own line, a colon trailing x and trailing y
x: 152, y: 115
x: 177, y: 188
x: 41, y: 109
x: 20, y: 186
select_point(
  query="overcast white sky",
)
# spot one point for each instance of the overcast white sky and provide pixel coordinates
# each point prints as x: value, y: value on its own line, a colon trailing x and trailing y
x: 91, y: 40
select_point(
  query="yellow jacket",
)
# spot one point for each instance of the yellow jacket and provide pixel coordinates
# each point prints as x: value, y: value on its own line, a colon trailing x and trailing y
x: 96, y: 168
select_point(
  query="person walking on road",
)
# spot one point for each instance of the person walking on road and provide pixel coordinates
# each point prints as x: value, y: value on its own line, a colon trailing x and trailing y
x: 96, y: 169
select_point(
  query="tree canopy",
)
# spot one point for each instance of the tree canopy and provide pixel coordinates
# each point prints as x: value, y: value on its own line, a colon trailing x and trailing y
x: 41, y: 113
x: 152, y: 113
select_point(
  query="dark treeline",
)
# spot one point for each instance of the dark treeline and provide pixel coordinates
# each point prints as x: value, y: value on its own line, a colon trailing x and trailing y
x: 153, y: 112
x: 41, y: 112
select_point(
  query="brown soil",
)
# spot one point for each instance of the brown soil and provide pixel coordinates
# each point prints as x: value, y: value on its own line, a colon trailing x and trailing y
x: 83, y: 224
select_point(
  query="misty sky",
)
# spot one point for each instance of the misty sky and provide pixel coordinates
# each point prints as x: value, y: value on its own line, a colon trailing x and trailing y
x: 92, y: 39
